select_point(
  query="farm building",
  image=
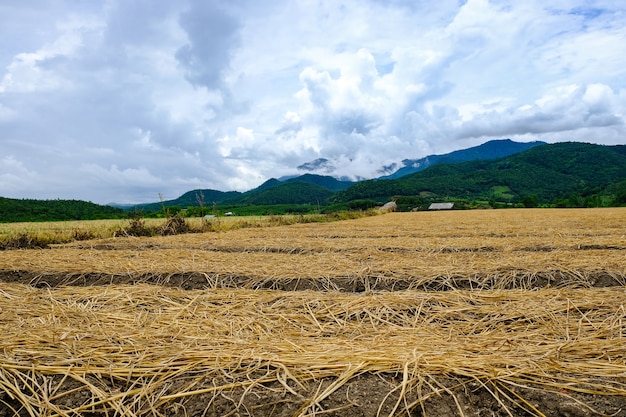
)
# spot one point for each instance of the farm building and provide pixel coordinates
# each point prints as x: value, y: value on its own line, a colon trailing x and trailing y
x: 441, y: 206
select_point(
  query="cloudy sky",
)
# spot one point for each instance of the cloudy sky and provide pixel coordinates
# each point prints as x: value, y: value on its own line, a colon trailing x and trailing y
x: 120, y: 100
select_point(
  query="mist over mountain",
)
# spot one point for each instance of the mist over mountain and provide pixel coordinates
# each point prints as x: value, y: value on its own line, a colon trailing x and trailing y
x: 492, y: 149
x: 489, y: 150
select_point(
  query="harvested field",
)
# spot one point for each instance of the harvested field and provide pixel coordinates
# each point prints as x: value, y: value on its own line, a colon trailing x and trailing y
x: 506, y: 312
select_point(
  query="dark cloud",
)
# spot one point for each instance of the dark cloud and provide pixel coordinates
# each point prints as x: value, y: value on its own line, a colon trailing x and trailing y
x: 212, y: 34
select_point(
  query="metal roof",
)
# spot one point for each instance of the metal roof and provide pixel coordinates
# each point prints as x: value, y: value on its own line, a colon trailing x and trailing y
x: 440, y: 206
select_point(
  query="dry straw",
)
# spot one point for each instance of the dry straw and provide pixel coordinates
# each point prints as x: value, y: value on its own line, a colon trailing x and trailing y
x: 528, y: 318
x: 146, y: 337
x: 486, y: 249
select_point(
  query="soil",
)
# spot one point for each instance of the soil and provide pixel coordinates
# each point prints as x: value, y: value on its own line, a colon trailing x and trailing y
x: 195, y: 281
x: 366, y: 395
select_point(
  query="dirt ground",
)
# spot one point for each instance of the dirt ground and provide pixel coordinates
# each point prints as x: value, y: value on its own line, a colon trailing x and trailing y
x: 199, y: 281
x: 366, y: 395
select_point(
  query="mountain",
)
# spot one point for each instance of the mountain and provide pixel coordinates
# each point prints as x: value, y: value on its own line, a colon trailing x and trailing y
x: 489, y: 150
x: 325, y: 181
x: 549, y: 173
x: 290, y: 192
x: 319, y: 164
x: 190, y: 198
x: 305, y: 192
x: 305, y: 189
x: 271, y: 183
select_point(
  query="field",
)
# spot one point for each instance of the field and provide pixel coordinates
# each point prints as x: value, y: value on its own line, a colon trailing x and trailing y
x: 459, y: 313
x: 43, y: 234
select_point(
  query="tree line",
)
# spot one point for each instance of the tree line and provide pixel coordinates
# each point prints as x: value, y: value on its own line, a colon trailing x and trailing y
x: 28, y: 210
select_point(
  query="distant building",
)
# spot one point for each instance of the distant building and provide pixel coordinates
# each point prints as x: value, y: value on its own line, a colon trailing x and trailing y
x: 441, y: 206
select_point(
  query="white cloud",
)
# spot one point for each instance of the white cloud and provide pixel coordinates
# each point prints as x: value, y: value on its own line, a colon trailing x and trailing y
x: 563, y: 110
x: 292, y: 124
x: 14, y: 175
x: 238, y: 145
x: 143, y: 98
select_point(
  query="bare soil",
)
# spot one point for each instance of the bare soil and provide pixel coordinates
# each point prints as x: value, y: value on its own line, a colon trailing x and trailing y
x: 199, y: 281
x: 365, y: 395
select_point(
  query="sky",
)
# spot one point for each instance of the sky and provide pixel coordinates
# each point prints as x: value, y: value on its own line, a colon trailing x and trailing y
x: 129, y: 101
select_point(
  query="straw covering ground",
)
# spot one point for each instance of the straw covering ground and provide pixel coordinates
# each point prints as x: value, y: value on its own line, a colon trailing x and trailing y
x: 510, y: 312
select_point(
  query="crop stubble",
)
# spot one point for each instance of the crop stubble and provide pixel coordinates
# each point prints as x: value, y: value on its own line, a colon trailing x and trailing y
x: 511, y: 312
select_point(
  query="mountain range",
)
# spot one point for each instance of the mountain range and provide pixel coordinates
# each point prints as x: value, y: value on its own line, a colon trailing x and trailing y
x: 310, y: 187
x: 489, y: 150
x: 549, y: 173
x: 499, y: 170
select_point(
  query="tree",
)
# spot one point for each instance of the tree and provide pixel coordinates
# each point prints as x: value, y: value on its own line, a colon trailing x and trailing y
x: 530, y: 201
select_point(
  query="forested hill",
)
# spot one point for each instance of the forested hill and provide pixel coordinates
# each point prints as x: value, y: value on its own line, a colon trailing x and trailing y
x: 25, y: 210
x: 205, y: 198
x: 330, y: 183
x: 305, y: 189
x: 548, y: 173
x: 292, y: 192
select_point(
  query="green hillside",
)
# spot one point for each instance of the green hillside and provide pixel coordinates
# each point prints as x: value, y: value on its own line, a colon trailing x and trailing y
x: 289, y: 192
x: 191, y: 198
x: 549, y: 173
x: 325, y: 181
x: 305, y: 189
